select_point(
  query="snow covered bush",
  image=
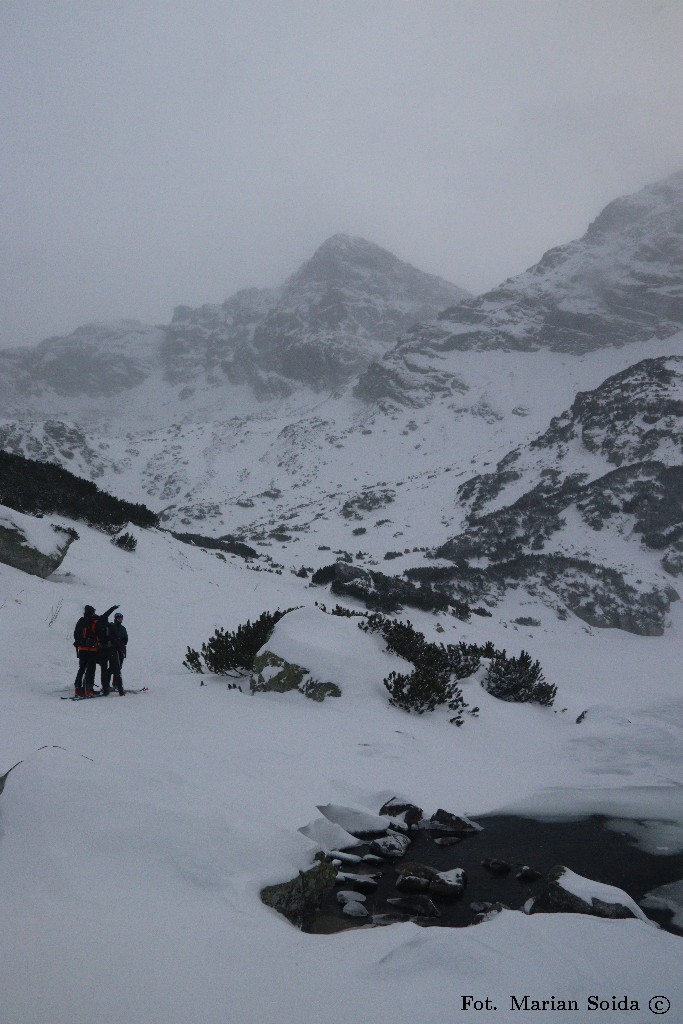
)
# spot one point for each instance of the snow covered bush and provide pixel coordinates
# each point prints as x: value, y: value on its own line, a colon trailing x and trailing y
x: 463, y: 659
x: 125, y: 541
x: 424, y: 689
x: 229, y: 652
x: 519, y: 680
x: 431, y: 684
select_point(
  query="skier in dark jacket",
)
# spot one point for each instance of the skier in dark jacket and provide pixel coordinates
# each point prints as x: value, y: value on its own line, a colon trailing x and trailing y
x: 88, y: 642
x: 117, y: 641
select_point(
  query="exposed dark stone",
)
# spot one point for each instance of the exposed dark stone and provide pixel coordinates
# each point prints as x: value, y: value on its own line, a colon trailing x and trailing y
x: 451, y: 822
x: 528, y: 874
x: 299, y: 900
x: 420, y: 906
x: 496, y: 866
x: 414, y: 878
x: 554, y: 899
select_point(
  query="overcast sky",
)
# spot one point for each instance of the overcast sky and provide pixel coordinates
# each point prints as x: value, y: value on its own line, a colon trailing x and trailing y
x: 159, y: 152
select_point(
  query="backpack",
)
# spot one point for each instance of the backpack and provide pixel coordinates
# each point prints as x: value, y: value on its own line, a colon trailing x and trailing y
x: 88, y: 639
x: 101, y: 632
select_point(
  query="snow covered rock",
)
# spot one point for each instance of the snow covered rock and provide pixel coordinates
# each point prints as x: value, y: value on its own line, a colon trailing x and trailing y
x: 275, y: 674
x: 350, y: 896
x: 667, y: 897
x: 364, y: 883
x: 421, y: 878
x: 448, y: 884
x: 353, y: 908
x: 568, y: 893
x: 490, y: 911
x: 354, y: 819
x: 409, y: 813
x: 328, y: 836
x: 391, y: 846
x: 35, y: 546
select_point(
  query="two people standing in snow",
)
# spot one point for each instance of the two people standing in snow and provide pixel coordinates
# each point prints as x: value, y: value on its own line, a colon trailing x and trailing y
x: 99, y: 642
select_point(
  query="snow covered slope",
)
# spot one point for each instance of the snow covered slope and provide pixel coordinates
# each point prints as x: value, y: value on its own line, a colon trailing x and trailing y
x: 137, y: 833
x: 603, y: 484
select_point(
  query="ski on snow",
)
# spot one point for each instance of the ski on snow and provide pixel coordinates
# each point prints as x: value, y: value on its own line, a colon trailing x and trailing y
x: 98, y: 693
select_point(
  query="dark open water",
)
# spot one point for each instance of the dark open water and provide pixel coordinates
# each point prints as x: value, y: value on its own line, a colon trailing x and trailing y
x: 585, y: 846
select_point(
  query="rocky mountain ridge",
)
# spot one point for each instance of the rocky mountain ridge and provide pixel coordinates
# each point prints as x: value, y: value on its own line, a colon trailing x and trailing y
x: 345, y: 306
x: 621, y: 283
x: 559, y: 508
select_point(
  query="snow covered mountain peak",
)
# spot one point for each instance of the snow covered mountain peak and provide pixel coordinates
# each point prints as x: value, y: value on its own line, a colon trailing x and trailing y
x: 657, y: 208
x: 345, y: 306
x: 621, y: 283
x: 347, y: 261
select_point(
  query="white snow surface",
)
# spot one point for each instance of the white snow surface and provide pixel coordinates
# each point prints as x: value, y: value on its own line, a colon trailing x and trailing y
x: 136, y: 833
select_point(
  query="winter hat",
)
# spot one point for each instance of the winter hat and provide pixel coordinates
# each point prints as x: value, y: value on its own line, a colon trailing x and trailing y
x: 88, y: 610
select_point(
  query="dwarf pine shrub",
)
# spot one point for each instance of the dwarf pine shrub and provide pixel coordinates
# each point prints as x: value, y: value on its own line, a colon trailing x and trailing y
x: 463, y: 659
x: 125, y: 541
x: 234, y: 652
x: 519, y: 680
x: 425, y: 689
x: 431, y: 684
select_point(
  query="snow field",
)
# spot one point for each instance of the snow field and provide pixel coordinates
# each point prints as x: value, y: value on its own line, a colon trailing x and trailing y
x: 136, y: 834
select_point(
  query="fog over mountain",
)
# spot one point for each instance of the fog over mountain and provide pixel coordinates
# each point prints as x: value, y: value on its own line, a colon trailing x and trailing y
x: 294, y: 415
x: 345, y: 306
x: 158, y: 153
